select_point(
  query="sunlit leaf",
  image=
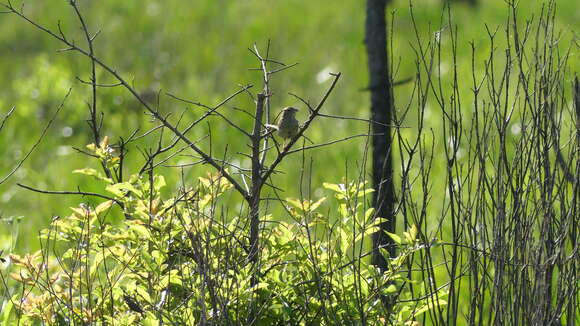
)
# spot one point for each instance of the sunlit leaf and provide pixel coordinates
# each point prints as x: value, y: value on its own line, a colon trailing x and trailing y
x: 159, y: 182
x: 93, y: 173
x: 333, y: 187
x: 294, y: 202
x: 120, y: 189
x: 431, y: 304
x: 140, y: 229
x: 316, y: 204
x: 103, y: 207
x: 394, y: 237
x: 143, y: 294
x: 7, y: 307
x: 390, y: 289
x: 150, y: 320
x: 362, y: 193
x: 411, y: 235
x: 367, y: 232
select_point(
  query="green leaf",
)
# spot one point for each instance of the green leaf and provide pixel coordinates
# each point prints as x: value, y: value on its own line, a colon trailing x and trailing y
x: 395, y: 237
x: 150, y: 320
x: 103, y: 207
x: 143, y: 294
x: 294, y: 202
x: 344, y: 240
x: 261, y: 285
x: 369, y: 214
x: 343, y: 210
x: 367, y: 233
x: 99, y: 257
x: 315, y: 205
x: 86, y: 171
x: 430, y: 305
x: 305, y: 205
x: 141, y: 230
x: 6, y: 311
x: 120, y: 189
x: 158, y: 257
x: 365, y: 192
x: 333, y: 187
x: 391, y: 289
x: 159, y: 182
x: 411, y: 235
x: 171, y: 278
x: 93, y: 173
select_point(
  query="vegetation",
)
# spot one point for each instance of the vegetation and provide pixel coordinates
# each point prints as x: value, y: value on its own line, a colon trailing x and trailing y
x: 195, y: 213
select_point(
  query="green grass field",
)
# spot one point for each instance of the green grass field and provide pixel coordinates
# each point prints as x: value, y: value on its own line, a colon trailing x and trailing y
x: 198, y: 50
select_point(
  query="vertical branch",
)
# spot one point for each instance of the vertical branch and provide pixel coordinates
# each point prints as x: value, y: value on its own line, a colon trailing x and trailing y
x: 254, y: 198
x: 93, y: 106
x: 254, y: 203
x: 381, y: 111
x: 93, y: 120
x: 266, y: 75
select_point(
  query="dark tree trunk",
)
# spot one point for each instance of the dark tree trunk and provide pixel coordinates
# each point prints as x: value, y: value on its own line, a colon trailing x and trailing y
x: 381, y: 113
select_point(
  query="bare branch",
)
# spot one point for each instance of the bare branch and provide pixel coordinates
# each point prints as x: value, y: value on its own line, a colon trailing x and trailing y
x: 328, y: 143
x: 82, y: 193
x: 6, y: 117
x: 40, y: 138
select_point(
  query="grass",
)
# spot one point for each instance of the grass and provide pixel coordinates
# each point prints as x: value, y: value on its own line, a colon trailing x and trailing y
x: 198, y: 51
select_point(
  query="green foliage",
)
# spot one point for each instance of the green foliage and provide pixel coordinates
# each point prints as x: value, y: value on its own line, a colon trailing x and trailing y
x: 182, y: 260
x: 153, y: 253
x: 179, y: 47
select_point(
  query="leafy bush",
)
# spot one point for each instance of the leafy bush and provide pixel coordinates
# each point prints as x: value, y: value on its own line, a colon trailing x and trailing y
x: 182, y: 260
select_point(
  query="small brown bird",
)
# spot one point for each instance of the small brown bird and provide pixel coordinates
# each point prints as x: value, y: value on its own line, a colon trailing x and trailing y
x: 288, y: 124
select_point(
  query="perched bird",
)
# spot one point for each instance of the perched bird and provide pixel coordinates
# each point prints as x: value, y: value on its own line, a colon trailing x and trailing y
x: 288, y: 124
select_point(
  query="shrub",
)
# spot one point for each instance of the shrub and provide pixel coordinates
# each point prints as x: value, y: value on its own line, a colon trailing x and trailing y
x: 140, y: 256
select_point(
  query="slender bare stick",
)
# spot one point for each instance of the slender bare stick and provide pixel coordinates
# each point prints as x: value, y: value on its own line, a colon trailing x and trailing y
x: 39, y: 139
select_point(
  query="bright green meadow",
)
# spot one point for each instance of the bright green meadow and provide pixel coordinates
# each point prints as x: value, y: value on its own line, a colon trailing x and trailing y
x: 198, y: 50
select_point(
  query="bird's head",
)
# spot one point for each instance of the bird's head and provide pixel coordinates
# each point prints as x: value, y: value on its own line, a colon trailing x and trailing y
x: 289, y: 111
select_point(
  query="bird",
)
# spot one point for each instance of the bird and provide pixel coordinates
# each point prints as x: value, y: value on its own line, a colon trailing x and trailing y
x: 288, y: 125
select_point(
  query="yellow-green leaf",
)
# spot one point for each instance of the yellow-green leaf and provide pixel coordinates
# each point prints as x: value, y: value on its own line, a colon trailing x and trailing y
x: 411, y: 235
x: 315, y: 205
x: 294, y: 202
x: 103, y: 207
x: 395, y: 237
x: 140, y: 230
x: 334, y: 187
x: 93, y: 173
x: 120, y: 189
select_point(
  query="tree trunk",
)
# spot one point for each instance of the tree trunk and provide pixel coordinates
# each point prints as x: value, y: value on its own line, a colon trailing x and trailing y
x: 381, y: 113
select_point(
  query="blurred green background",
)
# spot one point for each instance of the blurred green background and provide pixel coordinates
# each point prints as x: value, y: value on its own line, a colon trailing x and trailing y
x: 198, y: 50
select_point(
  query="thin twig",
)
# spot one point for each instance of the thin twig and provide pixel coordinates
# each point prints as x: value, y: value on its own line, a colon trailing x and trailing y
x: 81, y: 193
x: 39, y: 138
